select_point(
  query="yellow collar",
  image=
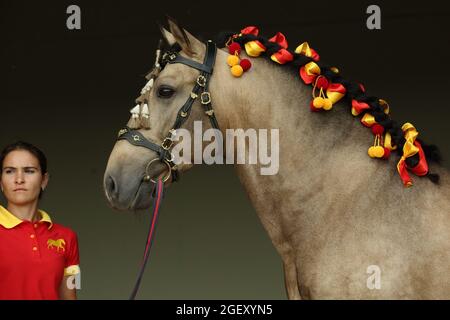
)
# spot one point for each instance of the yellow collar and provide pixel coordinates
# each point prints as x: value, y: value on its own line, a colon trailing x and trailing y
x: 9, y: 221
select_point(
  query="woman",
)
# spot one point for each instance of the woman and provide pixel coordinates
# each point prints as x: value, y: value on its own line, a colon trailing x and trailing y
x: 38, y: 258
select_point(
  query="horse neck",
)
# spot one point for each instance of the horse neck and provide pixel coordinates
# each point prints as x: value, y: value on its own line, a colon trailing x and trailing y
x: 314, y: 148
x: 325, y: 174
x: 270, y: 97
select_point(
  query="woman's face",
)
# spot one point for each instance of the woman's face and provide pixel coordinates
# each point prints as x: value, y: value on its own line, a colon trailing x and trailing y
x: 21, y: 178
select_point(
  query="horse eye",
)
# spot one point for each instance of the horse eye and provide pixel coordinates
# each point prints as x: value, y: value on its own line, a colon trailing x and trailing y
x: 165, y: 92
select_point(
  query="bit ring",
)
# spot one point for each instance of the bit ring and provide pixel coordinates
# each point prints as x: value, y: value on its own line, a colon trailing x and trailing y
x: 166, y: 177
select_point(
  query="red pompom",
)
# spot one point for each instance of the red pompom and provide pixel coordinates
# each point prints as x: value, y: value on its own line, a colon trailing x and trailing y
x: 377, y: 129
x: 245, y: 64
x: 322, y: 82
x: 387, y: 153
x: 233, y: 47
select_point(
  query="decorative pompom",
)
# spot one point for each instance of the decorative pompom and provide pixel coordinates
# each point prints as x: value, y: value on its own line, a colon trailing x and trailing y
x: 377, y: 129
x: 232, y: 60
x: 237, y: 70
x: 312, y: 108
x: 387, y: 153
x: 133, y: 123
x: 233, y: 48
x: 327, y: 104
x: 245, y: 64
x: 318, y: 102
x: 134, y: 120
x: 145, y: 117
x: 322, y: 82
x: 148, y: 86
x: 378, y: 151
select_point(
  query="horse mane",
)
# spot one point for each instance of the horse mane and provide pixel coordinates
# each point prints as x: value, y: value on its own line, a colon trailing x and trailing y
x: 353, y: 91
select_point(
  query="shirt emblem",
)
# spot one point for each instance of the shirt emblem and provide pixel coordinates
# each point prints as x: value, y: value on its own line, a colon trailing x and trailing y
x: 58, y: 244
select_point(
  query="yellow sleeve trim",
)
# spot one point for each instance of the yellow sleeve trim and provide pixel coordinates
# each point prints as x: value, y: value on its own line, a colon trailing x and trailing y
x: 72, y: 270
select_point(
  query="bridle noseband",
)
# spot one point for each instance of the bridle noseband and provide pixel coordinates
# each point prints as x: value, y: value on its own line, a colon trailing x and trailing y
x: 200, y: 90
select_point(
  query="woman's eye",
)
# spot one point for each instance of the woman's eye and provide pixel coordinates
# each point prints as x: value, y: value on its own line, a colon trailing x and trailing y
x: 165, y: 92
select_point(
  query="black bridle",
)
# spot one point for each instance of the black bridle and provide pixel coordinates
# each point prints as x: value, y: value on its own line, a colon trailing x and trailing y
x: 200, y: 90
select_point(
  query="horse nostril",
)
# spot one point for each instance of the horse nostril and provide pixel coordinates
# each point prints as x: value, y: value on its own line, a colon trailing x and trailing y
x: 111, y: 187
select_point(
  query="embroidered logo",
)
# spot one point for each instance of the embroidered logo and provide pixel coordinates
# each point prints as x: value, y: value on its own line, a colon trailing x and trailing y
x: 59, y: 244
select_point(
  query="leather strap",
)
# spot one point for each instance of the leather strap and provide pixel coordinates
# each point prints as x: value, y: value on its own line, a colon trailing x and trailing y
x: 205, y: 97
x: 209, y: 61
x: 137, y: 139
x: 200, y: 90
x: 191, y: 63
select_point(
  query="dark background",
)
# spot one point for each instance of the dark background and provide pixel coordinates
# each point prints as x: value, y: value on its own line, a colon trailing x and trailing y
x: 69, y: 92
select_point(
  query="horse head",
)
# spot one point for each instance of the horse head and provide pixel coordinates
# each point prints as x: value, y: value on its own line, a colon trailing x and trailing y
x: 172, y: 98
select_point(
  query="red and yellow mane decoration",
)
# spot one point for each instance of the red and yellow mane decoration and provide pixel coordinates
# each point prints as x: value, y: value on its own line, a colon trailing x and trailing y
x: 325, y: 94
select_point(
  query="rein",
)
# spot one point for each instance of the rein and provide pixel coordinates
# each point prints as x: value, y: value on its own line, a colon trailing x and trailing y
x: 159, y: 189
x: 165, y: 156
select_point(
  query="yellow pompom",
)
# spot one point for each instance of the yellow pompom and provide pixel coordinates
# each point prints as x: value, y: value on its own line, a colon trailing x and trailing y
x: 232, y: 60
x: 371, y: 152
x: 237, y: 70
x: 378, y: 151
x: 327, y: 104
x: 318, y: 102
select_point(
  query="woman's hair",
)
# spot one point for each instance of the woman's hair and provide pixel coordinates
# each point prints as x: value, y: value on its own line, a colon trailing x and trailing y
x: 21, y: 145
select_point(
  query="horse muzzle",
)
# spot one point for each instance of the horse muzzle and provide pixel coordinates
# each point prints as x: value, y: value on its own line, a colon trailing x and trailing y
x: 133, y: 192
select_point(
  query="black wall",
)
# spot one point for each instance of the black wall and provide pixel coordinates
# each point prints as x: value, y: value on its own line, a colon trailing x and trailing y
x: 69, y: 91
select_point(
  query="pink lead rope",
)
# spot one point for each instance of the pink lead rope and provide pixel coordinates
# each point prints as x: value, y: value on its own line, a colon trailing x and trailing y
x: 156, y: 205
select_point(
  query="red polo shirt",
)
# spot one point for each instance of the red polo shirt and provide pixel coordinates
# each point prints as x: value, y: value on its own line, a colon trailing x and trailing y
x: 34, y: 257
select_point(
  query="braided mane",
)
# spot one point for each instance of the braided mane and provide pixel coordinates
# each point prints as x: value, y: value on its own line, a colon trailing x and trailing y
x: 353, y: 91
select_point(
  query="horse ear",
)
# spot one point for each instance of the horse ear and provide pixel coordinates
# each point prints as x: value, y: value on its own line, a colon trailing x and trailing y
x: 167, y: 36
x: 188, y: 43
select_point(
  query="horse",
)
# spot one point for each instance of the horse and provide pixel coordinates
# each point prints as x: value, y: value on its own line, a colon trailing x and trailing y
x: 333, y: 214
x: 58, y: 244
